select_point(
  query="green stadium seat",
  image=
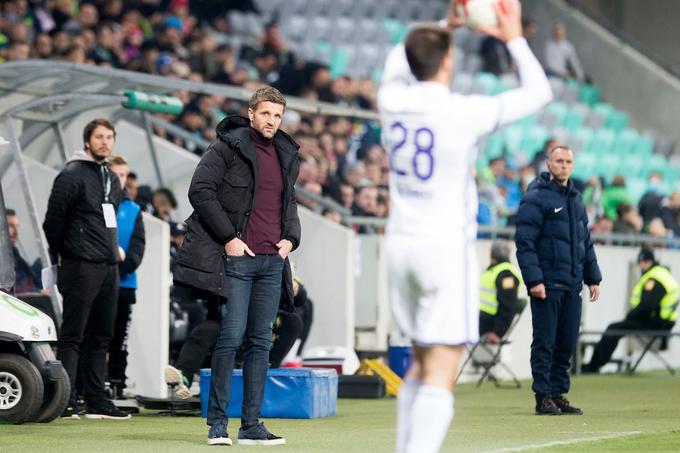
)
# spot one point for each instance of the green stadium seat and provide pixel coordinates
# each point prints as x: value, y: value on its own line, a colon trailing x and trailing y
x: 488, y: 81
x: 580, y: 139
x: 589, y: 94
x: 644, y: 146
x: 608, y: 165
x: 535, y: 137
x: 494, y: 145
x: 633, y: 166
x: 658, y: 163
x: 572, y: 119
x: 602, y: 141
x: 626, y: 141
x: 636, y: 188
x: 512, y: 136
x: 618, y: 120
x: 558, y: 108
x: 584, y: 166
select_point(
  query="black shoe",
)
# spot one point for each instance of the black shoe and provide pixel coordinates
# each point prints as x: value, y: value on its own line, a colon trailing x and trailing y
x: 72, y: 412
x: 218, y: 435
x: 566, y: 407
x: 258, y: 435
x: 546, y: 406
x: 105, y: 410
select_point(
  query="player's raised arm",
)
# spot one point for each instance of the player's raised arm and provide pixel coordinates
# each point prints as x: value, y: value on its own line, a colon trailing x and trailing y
x: 534, y: 91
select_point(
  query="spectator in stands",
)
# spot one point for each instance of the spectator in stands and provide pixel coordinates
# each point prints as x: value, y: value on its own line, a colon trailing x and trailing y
x: 80, y: 227
x: 653, y: 307
x: 602, y: 225
x: 499, y: 287
x: 132, y: 240
x: 615, y: 195
x: 496, y: 58
x: 178, y: 232
x: 26, y: 277
x: 670, y: 213
x: 164, y: 203
x: 560, y: 57
x: 627, y: 220
x: 656, y: 229
x: 491, y: 173
x: 530, y: 33
x: 650, y: 204
x: 131, y: 186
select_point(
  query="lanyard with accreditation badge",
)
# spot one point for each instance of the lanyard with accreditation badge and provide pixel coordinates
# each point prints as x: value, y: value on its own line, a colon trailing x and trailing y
x: 107, y: 207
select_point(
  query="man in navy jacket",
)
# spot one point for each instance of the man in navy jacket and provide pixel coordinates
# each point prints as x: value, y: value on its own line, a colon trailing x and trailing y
x: 556, y: 256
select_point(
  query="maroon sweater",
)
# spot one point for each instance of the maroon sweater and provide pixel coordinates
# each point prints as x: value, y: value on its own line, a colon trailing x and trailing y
x: 264, y: 226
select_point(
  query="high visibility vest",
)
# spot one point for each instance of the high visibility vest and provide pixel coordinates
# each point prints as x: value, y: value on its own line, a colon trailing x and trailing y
x: 488, y: 300
x: 669, y: 302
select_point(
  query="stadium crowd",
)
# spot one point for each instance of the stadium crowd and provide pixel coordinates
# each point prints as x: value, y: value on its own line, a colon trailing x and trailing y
x: 340, y: 158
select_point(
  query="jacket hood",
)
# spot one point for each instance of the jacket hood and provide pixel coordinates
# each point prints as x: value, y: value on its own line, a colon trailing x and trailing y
x: 228, y: 130
x: 543, y: 182
x: 82, y: 156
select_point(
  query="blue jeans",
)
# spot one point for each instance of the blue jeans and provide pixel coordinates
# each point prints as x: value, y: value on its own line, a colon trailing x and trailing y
x: 555, y: 321
x: 254, y: 285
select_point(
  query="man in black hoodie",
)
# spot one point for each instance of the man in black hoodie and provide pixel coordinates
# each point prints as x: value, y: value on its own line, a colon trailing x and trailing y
x: 243, y: 227
x: 556, y: 256
x: 80, y: 227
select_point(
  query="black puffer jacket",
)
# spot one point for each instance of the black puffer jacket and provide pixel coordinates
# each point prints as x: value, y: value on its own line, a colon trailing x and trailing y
x: 552, y: 237
x: 74, y: 223
x: 222, y: 192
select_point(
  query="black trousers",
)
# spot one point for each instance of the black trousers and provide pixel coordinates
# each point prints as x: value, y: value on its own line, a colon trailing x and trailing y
x: 90, y: 292
x: 118, y: 351
x: 607, y: 344
x: 306, y: 313
x: 200, y: 342
x: 287, y: 329
x: 555, y: 322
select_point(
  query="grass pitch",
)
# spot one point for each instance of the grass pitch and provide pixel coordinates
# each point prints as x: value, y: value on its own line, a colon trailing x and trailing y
x: 622, y: 414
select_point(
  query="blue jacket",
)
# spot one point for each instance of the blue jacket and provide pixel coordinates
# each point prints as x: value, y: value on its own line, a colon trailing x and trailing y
x: 552, y: 237
x: 131, y: 238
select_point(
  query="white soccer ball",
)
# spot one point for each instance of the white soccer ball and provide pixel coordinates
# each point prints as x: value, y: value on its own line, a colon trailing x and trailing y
x: 477, y: 13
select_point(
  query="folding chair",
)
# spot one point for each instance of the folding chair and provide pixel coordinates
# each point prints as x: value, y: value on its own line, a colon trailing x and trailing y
x: 487, y: 355
x: 646, y: 340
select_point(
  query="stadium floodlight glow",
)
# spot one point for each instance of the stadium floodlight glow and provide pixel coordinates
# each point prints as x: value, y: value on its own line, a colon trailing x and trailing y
x: 153, y: 103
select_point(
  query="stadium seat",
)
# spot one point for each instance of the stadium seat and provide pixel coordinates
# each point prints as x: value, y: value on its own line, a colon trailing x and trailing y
x: 534, y: 138
x: 494, y: 145
x: 571, y: 92
x: 602, y: 141
x: 636, y: 188
x: 626, y: 141
x: 644, y: 146
x: 618, y: 120
x: 657, y: 163
x: 580, y: 138
x: 572, y: 119
x: 584, y: 165
x: 512, y: 136
x: 589, y: 94
x: 485, y: 83
x: 608, y: 165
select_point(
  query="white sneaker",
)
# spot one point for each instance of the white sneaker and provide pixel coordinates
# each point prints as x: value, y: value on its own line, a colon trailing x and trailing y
x: 175, y: 379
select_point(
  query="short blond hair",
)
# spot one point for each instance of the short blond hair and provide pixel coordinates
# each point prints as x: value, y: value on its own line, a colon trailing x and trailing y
x: 115, y: 159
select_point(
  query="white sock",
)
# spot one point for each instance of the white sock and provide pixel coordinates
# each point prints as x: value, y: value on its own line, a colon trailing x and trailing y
x: 430, y: 416
x: 407, y: 393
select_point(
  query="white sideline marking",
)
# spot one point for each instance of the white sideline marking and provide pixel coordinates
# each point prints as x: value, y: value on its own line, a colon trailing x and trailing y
x: 567, y: 442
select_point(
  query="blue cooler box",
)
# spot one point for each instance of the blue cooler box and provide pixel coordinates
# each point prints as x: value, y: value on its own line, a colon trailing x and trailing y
x: 288, y: 393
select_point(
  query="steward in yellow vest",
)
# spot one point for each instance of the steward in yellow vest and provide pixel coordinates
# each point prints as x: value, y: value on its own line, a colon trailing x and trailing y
x: 653, y: 307
x: 499, y: 287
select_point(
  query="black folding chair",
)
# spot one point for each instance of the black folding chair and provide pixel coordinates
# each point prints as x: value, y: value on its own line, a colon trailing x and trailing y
x: 487, y: 355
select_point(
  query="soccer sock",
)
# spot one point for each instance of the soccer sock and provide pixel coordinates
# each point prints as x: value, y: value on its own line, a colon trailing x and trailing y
x: 430, y: 417
x: 407, y: 393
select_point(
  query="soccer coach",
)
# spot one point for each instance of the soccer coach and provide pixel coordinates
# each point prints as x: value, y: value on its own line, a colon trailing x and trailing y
x: 556, y: 256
